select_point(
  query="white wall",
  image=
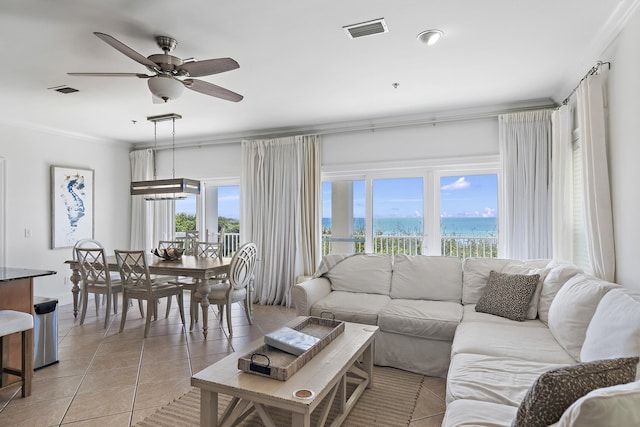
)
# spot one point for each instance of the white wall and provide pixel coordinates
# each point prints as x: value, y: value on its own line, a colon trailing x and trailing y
x: 210, y: 161
x: 442, y: 140
x: 29, y: 154
x: 624, y: 149
x: 477, y: 137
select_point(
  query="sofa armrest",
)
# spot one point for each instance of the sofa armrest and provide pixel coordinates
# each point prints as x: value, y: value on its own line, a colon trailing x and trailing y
x: 306, y: 294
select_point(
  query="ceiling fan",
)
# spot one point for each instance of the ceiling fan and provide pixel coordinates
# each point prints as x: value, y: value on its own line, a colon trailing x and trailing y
x: 171, y: 74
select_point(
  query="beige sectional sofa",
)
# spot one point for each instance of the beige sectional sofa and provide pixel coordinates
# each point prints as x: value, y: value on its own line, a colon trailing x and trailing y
x: 425, y: 308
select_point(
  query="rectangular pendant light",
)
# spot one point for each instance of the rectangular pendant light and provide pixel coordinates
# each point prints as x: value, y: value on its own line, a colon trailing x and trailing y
x: 165, y: 189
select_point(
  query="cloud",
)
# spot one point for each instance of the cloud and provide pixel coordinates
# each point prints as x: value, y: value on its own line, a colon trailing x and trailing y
x: 488, y: 213
x: 460, y: 184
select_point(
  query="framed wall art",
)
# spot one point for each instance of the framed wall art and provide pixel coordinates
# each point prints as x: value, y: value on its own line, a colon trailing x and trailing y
x: 72, y: 202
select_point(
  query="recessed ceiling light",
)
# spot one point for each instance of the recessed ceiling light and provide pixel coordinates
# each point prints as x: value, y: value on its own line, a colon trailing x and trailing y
x: 430, y: 37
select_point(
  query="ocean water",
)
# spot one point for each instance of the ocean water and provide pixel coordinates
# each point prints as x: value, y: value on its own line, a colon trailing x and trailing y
x: 467, y: 227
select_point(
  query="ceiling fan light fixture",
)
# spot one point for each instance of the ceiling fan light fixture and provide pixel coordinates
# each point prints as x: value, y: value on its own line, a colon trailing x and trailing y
x: 430, y: 37
x: 165, y: 87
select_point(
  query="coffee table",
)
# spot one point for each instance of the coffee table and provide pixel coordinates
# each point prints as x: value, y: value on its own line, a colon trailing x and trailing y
x: 349, y: 357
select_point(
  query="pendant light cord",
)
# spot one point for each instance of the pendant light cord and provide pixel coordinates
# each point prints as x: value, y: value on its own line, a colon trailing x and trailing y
x: 155, y: 149
x: 173, y: 146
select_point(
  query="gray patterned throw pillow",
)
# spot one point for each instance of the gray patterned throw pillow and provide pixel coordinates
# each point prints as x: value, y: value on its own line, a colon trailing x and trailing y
x: 556, y: 390
x: 508, y: 295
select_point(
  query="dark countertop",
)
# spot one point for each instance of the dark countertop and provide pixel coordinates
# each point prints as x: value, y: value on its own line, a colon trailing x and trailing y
x: 9, y: 273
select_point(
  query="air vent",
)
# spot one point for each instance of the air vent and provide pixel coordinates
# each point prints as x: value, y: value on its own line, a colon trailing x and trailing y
x: 369, y: 28
x: 63, y: 89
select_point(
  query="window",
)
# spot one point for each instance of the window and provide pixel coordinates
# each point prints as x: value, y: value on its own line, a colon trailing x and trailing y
x: 185, y: 211
x: 398, y: 215
x: 418, y: 210
x: 343, y: 216
x: 468, y: 215
x: 222, y: 212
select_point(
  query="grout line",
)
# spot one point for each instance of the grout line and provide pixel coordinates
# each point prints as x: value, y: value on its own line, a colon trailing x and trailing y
x: 86, y: 372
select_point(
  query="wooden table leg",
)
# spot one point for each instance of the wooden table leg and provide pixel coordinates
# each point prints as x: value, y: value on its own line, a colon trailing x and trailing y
x: 208, y: 408
x: 302, y: 420
x: 75, y: 289
x: 203, y: 290
x: 367, y: 363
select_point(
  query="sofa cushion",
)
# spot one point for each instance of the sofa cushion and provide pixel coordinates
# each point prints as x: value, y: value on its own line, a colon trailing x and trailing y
x: 529, y: 340
x: 423, y: 277
x: 572, y: 310
x: 558, y: 274
x: 525, y: 268
x: 556, y: 390
x: 351, y: 307
x: 508, y: 295
x: 501, y: 380
x: 469, y: 314
x: 419, y: 318
x: 366, y: 273
x: 475, y: 274
x: 466, y: 412
x: 616, y: 406
x: 614, y: 330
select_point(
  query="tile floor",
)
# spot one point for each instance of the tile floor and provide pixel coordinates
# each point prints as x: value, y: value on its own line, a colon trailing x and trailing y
x: 107, y: 378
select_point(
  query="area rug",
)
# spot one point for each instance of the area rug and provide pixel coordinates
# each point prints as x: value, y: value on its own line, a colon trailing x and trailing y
x: 390, y: 402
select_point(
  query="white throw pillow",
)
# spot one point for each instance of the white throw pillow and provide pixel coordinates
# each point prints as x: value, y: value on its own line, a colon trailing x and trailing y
x: 617, y: 406
x: 519, y: 267
x: 572, y: 309
x: 434, y: 278
x: 559, y: 273
x: 614, y: 330
x: 368, y: 273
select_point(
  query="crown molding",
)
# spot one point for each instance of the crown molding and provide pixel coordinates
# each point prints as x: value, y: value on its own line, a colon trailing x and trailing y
x: 602, y: 40
x: 470, y: 113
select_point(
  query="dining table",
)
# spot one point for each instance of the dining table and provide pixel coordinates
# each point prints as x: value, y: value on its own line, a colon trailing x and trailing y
x: 202, y: 269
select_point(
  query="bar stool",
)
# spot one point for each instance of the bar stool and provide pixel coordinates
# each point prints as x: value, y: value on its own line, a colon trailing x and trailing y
x: 11, y: 322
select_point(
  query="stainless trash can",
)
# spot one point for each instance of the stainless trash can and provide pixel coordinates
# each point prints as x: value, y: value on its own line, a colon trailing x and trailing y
x: 45, y: 332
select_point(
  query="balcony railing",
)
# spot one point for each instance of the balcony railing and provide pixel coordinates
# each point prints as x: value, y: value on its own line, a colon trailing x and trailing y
x: 231, y: 244
x: 458, y: 246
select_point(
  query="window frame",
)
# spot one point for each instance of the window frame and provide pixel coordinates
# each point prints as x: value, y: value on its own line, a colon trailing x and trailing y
x: 430, y: 170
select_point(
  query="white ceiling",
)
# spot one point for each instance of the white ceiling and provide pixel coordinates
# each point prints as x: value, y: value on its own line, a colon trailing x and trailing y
x: 298, y: 69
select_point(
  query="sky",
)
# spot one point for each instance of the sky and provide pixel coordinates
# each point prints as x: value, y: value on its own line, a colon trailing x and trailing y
x: 469, y: 196
x: 228, y: 203
x: 460, y: 196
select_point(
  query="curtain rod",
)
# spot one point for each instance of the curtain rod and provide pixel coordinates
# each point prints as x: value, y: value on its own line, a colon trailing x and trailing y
x: 356, y: 128
x: 591, y: 72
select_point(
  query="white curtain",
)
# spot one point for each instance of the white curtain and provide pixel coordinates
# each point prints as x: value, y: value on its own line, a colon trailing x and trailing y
x: 525, y: 146
x: 281, y: 187
x: 562, y: 183
x: 150, y: 221
x: 592, y: 118
x: 164, y: 220
x: 142, y: 233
